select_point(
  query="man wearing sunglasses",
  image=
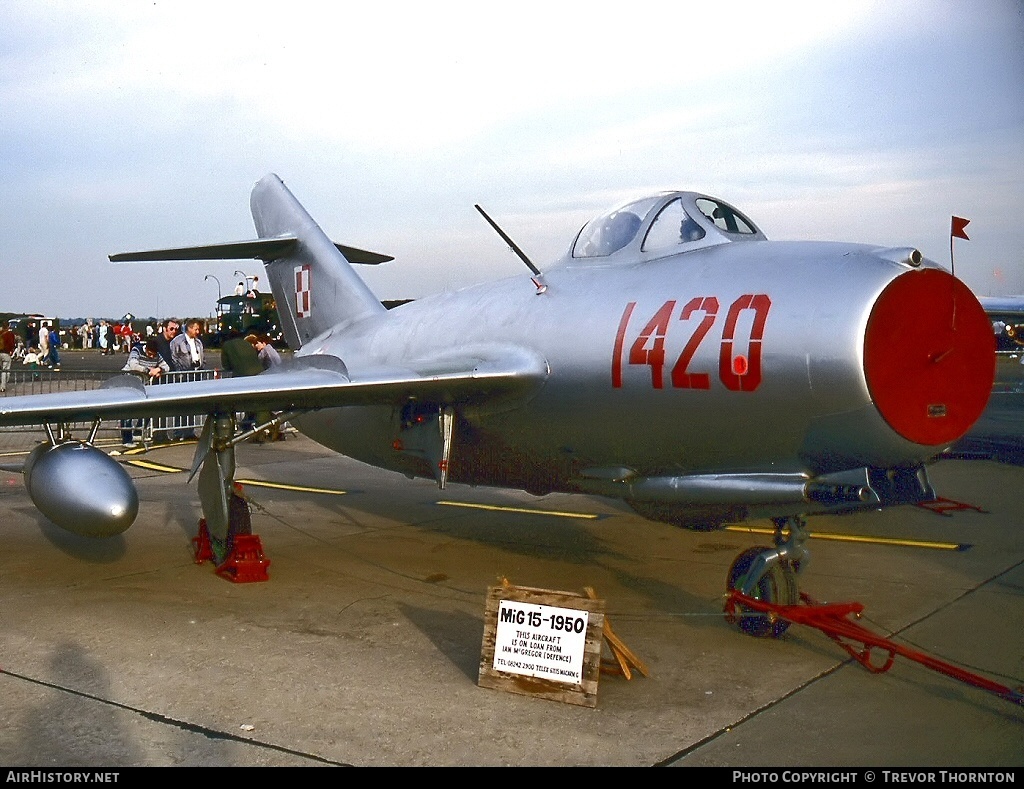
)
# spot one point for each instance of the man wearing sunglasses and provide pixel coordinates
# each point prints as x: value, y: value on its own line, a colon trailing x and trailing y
x: 170, y: 330
x: 164, y: 337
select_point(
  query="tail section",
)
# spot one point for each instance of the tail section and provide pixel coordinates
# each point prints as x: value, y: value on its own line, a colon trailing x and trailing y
x: 313, y: 283
x: 311, y: 277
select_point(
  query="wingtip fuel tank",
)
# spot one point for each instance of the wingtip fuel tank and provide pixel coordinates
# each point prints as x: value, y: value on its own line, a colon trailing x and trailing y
x: 81, y: 489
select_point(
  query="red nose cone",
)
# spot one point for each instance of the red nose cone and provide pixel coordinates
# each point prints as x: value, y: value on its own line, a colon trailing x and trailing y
x: 929, y: 357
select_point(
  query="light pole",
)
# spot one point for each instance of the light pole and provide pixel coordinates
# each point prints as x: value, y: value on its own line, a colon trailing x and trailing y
x: 245, y: 278
x: 210, y: 276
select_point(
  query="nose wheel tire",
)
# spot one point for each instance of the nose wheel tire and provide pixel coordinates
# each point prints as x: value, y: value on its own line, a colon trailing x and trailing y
x: 777, y: 585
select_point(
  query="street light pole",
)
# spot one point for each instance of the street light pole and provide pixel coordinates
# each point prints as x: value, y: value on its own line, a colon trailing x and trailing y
x: 245, y: 278
x: 210, y: 276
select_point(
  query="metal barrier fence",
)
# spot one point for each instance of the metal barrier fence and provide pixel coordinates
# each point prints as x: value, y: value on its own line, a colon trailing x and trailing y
x: 32, y: 381
x: 147, y: 430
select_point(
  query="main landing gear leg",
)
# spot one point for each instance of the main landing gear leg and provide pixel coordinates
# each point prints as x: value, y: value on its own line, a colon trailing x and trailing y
x: 215, y: 462
x: 769, y: 574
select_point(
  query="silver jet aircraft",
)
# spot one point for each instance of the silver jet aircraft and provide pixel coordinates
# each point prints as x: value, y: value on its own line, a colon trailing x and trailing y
x: 674, y: 359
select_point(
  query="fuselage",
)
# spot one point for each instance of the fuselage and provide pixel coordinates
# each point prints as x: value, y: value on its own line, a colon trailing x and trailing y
x: 779, y: 357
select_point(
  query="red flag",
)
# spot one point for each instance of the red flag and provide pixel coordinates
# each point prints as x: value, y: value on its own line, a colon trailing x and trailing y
x: 956, y: 228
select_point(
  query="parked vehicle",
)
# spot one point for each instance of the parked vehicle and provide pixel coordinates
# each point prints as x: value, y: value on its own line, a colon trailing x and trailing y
x: 247, y: 314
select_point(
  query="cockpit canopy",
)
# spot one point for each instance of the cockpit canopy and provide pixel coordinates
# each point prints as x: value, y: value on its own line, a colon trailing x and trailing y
x: 662, y: 225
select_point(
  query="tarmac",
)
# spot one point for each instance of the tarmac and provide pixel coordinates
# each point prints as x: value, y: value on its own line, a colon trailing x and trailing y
x: 363, y: 647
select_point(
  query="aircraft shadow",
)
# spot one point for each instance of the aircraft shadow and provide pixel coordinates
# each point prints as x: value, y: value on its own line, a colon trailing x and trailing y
x: 89, y: 549
x: 532, y: 536
x: 76, y: 725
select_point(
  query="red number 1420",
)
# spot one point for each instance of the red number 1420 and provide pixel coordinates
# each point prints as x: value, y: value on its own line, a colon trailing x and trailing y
x: 738, y: 372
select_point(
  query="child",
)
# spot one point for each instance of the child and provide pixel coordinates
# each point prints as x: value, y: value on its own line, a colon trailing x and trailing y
x: 33, y: 358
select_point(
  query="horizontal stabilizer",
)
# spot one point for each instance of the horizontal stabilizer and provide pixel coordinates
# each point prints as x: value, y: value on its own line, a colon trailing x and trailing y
x: 265, y: 249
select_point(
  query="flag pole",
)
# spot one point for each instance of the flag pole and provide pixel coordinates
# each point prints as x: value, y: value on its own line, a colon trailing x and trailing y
x: 957, y: 229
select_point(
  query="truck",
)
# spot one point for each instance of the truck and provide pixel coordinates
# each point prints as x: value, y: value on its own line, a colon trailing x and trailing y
x: 253, y: 315
x: 248, y: 315
x: 25, y: 324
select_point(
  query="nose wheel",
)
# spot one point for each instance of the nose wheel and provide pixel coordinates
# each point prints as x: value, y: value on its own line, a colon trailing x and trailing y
x: 769, y: 574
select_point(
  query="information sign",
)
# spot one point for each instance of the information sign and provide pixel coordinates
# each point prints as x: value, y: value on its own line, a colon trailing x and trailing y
x: 542, y: 642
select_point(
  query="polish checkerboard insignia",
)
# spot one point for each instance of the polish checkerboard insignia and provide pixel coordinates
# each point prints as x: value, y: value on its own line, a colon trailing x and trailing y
x: 303, y: 275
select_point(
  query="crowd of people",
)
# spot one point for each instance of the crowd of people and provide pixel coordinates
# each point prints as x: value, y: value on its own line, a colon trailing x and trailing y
x: 110, y: 337
x: 38, y: 346
x: 44, y: 341
x: 178, y: 348
x: 40, y: 343
x: 155, y: 352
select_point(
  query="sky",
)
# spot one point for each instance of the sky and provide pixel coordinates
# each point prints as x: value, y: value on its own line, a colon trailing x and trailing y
x: 137, y: 125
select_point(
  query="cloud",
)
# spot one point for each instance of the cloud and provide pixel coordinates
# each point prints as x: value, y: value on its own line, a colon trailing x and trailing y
x: 141, y: 125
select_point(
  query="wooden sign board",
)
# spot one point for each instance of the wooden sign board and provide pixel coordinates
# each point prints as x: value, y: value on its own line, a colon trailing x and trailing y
x: 539, y: 642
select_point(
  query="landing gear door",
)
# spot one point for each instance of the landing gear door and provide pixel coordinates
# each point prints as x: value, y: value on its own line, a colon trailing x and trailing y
x: 427, y: 431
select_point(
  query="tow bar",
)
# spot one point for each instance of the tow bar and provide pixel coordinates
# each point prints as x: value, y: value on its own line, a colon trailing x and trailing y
x: 832, y: 619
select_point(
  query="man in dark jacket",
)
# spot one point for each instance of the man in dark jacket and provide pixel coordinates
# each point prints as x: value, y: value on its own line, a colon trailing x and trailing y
x: 163, y: 339
x: 240, y: 358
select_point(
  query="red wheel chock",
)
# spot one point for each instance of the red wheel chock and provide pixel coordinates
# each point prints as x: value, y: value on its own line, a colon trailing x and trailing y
x: 201, y: 544
x: 832, y: 620
x: 246, y: 562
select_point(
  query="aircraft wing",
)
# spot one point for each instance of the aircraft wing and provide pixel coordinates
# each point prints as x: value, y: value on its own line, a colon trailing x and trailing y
x: 310, y: 382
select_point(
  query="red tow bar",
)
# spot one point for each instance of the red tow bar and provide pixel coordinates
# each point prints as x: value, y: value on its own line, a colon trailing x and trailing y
x: 832, y: 619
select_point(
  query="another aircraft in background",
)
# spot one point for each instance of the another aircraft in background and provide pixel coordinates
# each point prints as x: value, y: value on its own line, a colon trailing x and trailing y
x: 999, y: 432
x: 674, y: 359
x: 1007, y: 316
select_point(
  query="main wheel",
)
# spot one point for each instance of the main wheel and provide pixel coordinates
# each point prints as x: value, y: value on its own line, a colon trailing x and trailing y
x: 778, y: 585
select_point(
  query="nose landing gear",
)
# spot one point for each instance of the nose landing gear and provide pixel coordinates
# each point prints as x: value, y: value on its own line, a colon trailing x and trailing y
x: 769, y: 575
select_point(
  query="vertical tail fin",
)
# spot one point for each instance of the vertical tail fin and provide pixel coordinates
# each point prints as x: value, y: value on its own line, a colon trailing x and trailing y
x: 313, y: 283
x: 311, y: 277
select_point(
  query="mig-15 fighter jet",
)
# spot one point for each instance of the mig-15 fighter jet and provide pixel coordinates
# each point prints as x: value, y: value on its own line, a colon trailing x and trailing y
x: 674, y: 359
